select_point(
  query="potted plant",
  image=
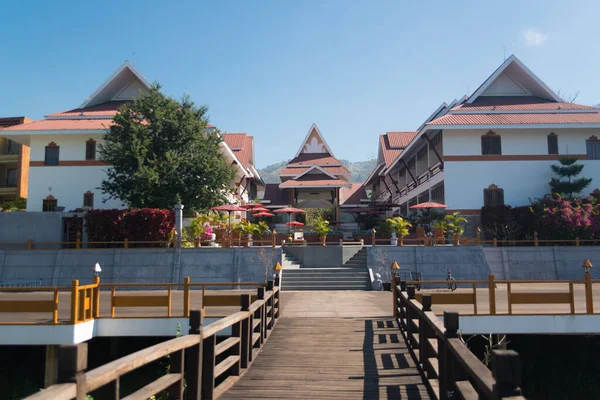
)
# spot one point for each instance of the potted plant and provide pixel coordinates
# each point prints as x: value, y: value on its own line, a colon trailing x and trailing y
x: 321, y: 228
x: 400, y: 227
x: 260, y: 229
x: 197, y: 230
x: 455, y: 225
x: 244, y: 228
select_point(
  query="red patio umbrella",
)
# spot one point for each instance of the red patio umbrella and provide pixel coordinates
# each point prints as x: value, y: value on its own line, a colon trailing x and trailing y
x: 294, y: 223
x: 263, y: 214
x: 290, y: 211
x: 251, y: 205
x: 229, y: 208
x: 260, y: 209
x: 428, y: 204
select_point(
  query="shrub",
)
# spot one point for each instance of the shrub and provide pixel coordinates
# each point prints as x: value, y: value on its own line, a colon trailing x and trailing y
x: 146, y: 224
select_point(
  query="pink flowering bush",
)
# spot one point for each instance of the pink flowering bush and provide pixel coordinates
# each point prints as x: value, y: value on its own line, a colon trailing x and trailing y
x: 568, y: 219
x: 208, y: 231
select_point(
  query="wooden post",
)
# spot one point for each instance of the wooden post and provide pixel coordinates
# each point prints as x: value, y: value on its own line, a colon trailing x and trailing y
x: 274, y: 238
x: 55, y: 311
x: 96, y: 297
x: 236, y: 331
x: 177, y: 366
x: 495, y: 241
x: 112, y: 301
x: 246, y: 334
x: 186, y: 297
x: 271, y: 303
x: 423, y: 330
x: 78, y: 241
x: 126, y: 243
x: 506, y: 369
x: 395, y: 284
x: 373, y: 240
x: 72, y: 362
x: 492, y: 294
x: 51, y: 366
x: 577, y: 241
x: 478, y: 236
x: 193, y: 358
x: 589, y: 295
x: 30, y: 244
x: 74, y: 301
x: 535, y: 239
x: 444, y: 362
x: 169, y: 297
x: 208, y: 366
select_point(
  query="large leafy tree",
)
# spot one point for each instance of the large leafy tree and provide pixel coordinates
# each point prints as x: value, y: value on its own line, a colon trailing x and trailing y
x: 160, y: 150
x: 567, y: 184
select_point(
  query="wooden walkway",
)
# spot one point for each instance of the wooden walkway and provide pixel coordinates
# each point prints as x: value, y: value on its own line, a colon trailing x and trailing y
x: 335, y: 356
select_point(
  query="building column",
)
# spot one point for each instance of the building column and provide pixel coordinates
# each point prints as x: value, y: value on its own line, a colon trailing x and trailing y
x: 337, y: 204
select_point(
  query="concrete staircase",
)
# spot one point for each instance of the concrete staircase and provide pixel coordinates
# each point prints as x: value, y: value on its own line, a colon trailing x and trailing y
x: 354, y: 275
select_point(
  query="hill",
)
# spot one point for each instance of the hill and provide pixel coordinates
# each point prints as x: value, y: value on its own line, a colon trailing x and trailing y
x: 358, y: 170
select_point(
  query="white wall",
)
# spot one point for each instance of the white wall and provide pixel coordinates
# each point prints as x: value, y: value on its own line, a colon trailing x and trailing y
x: 517, y: 141
x: 68, y: 186
x: 521, y: 180
x: 72, y: 147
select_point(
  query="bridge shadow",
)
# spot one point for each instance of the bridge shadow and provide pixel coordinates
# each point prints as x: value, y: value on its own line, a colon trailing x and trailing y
x: 384, y: 353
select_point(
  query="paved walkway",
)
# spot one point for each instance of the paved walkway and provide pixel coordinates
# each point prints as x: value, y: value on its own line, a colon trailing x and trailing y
x: 333, y: 345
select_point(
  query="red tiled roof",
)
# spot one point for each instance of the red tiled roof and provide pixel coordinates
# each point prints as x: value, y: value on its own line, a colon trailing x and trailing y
x: 517, y: 119
x: 517, y: 103
x: 353, y: 195
x: 241, y: 145
x: 314, y: 183
x: 10, y: 121
x: 299, y: 170
x: 400, y: 139
x: 63, y: 125
x: 108, y: 109
x: 321, y: 159
x: 235, y: 141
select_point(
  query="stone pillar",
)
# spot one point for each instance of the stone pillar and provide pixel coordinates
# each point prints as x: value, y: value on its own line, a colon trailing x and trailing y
x: 178, y: 223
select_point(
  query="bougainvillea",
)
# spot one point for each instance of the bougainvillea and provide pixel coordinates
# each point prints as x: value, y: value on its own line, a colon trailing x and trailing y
x: 569, y: 219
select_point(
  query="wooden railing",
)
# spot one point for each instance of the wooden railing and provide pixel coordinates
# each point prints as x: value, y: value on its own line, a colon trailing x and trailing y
x: 515, y: 296
x: 194, y: 368
x: 448, y: 366
x: 85, y: 300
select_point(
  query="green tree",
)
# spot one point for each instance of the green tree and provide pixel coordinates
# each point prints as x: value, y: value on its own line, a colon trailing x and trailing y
x: 567, y: 184
x: 158, y: 149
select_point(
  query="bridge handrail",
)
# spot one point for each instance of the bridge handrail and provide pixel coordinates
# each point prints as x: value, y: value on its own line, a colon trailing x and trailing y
x: 193, y: 365
x: 445, y: 361
x: 566, y: 297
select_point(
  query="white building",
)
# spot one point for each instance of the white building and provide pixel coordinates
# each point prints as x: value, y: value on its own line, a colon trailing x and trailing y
x: 491, y: 148
x: 65, y: 169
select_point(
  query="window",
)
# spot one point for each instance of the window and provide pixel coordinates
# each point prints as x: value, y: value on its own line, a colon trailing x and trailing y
x: 493, y: 196
x: 11, y: 177
x: 552, y: 143
x: 88, y: 199
x: 51, y: 156
x: 437, y: 139
x: 49, y: 204
x: 422, y: 153
x: 491, y: 144
x: 593, y: 148
x: 90, y: 149
x: 12, y: 147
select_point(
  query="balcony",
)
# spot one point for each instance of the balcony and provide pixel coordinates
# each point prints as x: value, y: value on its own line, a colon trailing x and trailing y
x: 8, y: 190
x: 6, y: 158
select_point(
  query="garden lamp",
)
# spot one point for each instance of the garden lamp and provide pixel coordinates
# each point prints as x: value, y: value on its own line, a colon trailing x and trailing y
x: 277, y: 267
x: 395, y: 268
x: 97, y: 269
x: 587, y: 266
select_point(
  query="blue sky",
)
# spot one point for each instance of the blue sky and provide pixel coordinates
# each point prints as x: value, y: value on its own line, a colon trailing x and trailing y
x: 272, y: 68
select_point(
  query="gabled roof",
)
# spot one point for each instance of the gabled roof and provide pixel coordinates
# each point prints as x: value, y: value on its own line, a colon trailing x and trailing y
x: 514, y: 78
x: 242, y: 147
x: 297, y: 170
x: 314, y: 159
x: 107, y: 110
x: 275, y: 196
x: 352, y: 195
x: 317, y: 169
x: 592, y: 118
x: 11, y: 121
x: 515, y: 103
x: 314, y: 143
x: 123, y: 84
x: 63, y: 125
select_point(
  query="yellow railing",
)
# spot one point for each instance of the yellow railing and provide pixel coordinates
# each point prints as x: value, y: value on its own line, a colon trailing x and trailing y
x: 85, y: 300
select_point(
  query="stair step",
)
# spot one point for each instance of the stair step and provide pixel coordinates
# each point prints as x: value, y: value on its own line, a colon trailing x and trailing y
x: 299, y: 288
x: 322, y: 280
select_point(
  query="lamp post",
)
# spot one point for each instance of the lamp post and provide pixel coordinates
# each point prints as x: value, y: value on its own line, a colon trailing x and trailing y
x: 277, y: 268
x: 589, y: 298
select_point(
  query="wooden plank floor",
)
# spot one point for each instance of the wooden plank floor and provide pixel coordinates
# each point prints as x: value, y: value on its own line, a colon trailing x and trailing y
x: 332, y: 357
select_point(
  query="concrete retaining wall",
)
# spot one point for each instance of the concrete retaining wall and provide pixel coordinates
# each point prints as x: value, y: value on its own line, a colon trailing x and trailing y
x: 59, y: 267
x: 36, y: 226
x: 322, y: 256
x: 431, y: 262
x: 544, y: 263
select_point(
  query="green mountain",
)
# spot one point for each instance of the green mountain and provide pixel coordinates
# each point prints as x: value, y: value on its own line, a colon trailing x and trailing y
x: 358, y: 170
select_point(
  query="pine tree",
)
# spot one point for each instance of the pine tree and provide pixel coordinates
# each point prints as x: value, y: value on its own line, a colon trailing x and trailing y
x: 568, y: 169
x: 160, y: 150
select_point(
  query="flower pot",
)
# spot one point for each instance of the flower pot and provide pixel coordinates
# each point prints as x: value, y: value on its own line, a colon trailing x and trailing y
x: 323, y: 239
x: 387, y: 286
x: 401, y: 241
x: 456, y: 240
